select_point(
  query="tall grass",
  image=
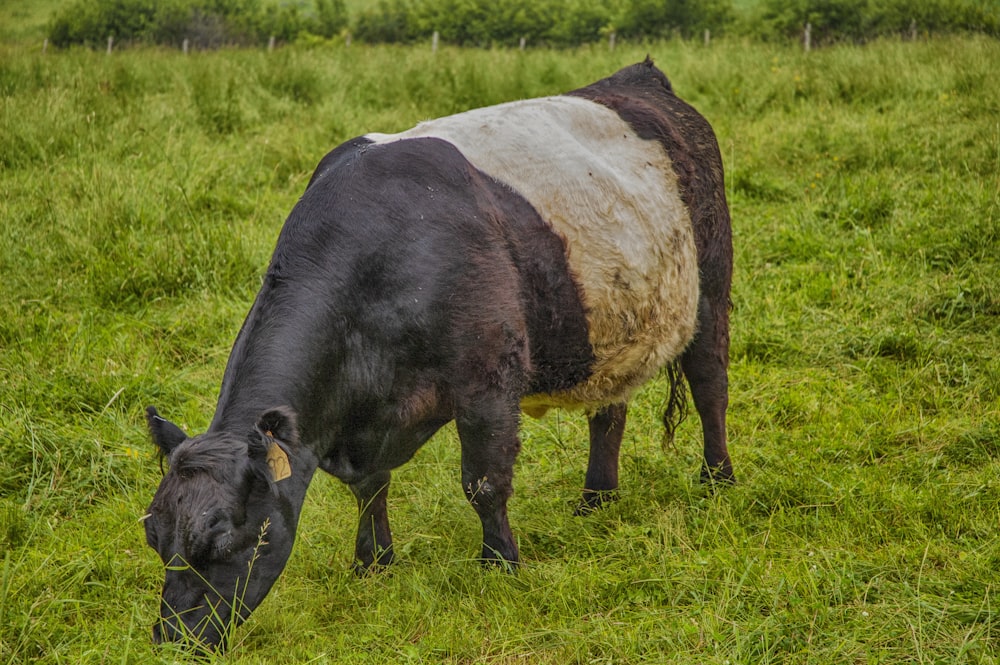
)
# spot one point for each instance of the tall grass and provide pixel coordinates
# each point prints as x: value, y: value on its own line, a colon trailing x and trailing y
x: 142, y: 193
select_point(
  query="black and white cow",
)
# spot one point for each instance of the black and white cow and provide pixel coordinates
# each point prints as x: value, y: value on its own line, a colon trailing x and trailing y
x: 553, y: 252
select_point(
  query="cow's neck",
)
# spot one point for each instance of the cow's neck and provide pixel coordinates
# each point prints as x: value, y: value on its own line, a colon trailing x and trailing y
x: 292, y: 489
x: 270, y: 366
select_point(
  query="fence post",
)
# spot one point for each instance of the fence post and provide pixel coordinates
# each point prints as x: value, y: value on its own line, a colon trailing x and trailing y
x: 913, y: 30
x: 347, y: 40
x: 185, y: 45
x: 611, y: 41
x: 708, y: 36
x: 270, y: 43
x: 434, y: 41
x: 111, y: 41
x: 522, y: 43
x: 45, y: 46
x: 807, y: 37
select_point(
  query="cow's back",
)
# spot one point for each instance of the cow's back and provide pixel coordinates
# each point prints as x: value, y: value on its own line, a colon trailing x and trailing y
x: 613, y: 199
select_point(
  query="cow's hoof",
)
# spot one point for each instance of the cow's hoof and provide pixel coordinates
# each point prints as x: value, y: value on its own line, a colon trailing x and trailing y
x: 373, y: 565
x: 371, y: 570
x: 500, y: 565
x: 594, y: 499
x: 720, y: 476
x: 494, y: 560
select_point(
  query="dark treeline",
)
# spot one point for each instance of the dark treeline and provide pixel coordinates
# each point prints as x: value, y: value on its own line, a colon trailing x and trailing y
x: 203, y: 23
x: 213, y: 23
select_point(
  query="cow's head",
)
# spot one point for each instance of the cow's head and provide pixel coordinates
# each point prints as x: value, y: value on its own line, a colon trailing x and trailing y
x: 223, y: 522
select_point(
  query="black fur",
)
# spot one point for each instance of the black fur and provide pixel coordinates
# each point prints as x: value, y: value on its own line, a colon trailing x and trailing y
x: 408, y: 289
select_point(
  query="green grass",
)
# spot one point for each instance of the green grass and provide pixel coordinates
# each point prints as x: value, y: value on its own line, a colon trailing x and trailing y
x: 141, y: 195
x: 24, y: 21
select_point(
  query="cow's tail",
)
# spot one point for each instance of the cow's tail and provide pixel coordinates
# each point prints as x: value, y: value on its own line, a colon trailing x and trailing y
x: 676, y: 408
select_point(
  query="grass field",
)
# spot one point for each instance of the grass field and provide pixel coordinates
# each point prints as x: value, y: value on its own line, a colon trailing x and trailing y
x: 140, y: 197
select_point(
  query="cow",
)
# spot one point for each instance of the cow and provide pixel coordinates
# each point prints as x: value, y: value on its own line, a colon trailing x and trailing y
x: 556, y: 252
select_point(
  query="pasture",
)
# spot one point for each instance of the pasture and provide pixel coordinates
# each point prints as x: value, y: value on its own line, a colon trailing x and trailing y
x: 141, y: 194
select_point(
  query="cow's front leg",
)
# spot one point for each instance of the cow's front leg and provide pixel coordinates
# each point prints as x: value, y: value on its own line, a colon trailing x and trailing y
x: 606, y: 429
x: 373, y: 547
x: 489, y: 447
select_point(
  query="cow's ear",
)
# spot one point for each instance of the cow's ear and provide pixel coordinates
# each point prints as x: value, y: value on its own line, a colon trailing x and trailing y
x: 277, y: 436
x: 166, y: 435
x: 279, y: 423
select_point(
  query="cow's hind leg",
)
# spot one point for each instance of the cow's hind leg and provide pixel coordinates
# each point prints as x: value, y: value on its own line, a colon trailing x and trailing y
x: 373, y: 547
x: 606, y: 429
x: 489, y: 447
x: 706, y: 365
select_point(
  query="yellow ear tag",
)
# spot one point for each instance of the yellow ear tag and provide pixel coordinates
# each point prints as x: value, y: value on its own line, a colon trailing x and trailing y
x: 277, y: 461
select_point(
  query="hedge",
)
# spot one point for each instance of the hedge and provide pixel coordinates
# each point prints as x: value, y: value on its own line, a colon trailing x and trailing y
x: 211, y: 23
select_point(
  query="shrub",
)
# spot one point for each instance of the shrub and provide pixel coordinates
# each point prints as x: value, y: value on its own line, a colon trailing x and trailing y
x: 212, y: 23
x: 580, y: 22
x: 935, y: 16
x: 552, y: 22
x: 687, y: 18
x: 480, y: 22
x: 860, y: 20
x: 387, y: 21
x: 204, y: 23
x: 331, y: 18
x: 91, y: 22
